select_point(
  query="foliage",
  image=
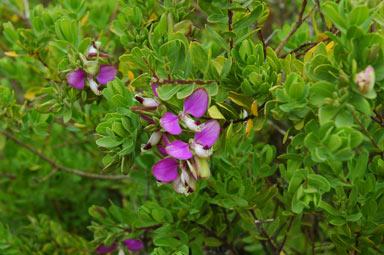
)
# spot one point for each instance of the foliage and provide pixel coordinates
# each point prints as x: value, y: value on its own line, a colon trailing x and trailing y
x: 296, y: 89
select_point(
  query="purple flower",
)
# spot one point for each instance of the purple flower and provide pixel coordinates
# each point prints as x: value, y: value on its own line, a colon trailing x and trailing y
x: 104, y: 249
x: 165, y: 170
x: 196, y: 105
x: 200, y: 144
x: 185, y: 183
x: 153, y: 140
x: 90, y: 71
x: 365, y: 80
x: 131, y: 244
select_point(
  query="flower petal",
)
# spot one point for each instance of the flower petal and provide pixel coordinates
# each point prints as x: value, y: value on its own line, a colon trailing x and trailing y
x: 202, y: 168
x: 76, y: 79
x: 165, y: 170
x: 94, y: 87
x: 133, y: 244
x: 162, y: 150
x: 146, y: 118
x: 179, y: 150
x: 197, y: 103
x: 154, y: 87
x: 107, y: 73
x: 153, y: 140
x: 104, y: 249
x: 170, y: 123
x: 209, y: 134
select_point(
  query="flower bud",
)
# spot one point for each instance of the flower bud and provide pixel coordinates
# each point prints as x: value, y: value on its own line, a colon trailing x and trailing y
x: 365, y: 80
x: 200, y: 150
x: 147, y: 101
x: 153, y: 140
x: 91, y: 67
x: 190, y: 123
x: 94, y: 87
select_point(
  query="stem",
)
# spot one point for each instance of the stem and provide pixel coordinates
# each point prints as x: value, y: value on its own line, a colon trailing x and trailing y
x: 261, y: 38
x: 63, y: 168
x: 365, y: 131
x: 286, y: 236
x: 230, y: 15
x: 298, y: 23
x: 265, y: 234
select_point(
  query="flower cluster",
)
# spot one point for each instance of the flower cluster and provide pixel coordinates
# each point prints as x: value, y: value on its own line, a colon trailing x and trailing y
x: 90, y: 70
x: 180, y: 150
x: 130, y: 244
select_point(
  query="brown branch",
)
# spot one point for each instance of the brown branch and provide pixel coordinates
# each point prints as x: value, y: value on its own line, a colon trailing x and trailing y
x: 311, y: 44
x: 321, y: 14
x: 161, y: 81
x: 261, y: 38
x: 298, y: 23
x: 286, y: 236
x: 63, y: 168
x: 265, y: 234
x: 213, y: 234
x: 230, y: 16
x: 365, y: 131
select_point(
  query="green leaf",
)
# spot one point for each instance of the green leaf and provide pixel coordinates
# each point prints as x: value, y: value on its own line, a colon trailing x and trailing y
x: 108, y: 142
x: 330, y: 10
x: 319, y: 182
x: 166, y: 92
x: 359, y: 15
x: 326, y: 113
x: 344, y: 119
x: 217, y: 18
x: 249, y: 19
x: 217, y: 38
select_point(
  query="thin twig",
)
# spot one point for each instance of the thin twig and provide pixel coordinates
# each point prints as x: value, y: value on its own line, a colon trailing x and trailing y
x: 365, y: 131
x: 230, y: 16
x: 321, y: 14
x: 286, y: 236
x: 213, y: 234
x: 298, y: 23
x: 47, y: 176
x: 311, y: 44
x: 261, y: 38
x: 8, y: 175
x: 26, y: 9
x: 265, y: 234
x: 63, y: 168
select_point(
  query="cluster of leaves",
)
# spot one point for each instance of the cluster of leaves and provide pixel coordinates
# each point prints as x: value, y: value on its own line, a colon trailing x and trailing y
x: 298, y: 167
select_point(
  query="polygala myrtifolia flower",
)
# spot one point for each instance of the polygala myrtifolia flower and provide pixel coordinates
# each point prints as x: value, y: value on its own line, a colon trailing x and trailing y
x: 183, y: 162
x: 196, y: 105
x: 90, y: 70
x: 365, y: 80
x: 130, y: 244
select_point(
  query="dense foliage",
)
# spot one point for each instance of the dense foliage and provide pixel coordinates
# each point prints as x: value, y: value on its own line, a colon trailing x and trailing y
x: 192, y: 127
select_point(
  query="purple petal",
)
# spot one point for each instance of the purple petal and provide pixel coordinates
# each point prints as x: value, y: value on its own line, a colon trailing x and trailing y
x: 209, y: 134
x: 162, y: 150
x: 170, y: 123
x: 133, y: 244
x: 76, y: 79
x: 107, y: 73
x: 154, y: 87
x: 104, y: 249
x: 165, y: 170
x: 179, y: 150
x: 146, y: 118
x: 197, y: 103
